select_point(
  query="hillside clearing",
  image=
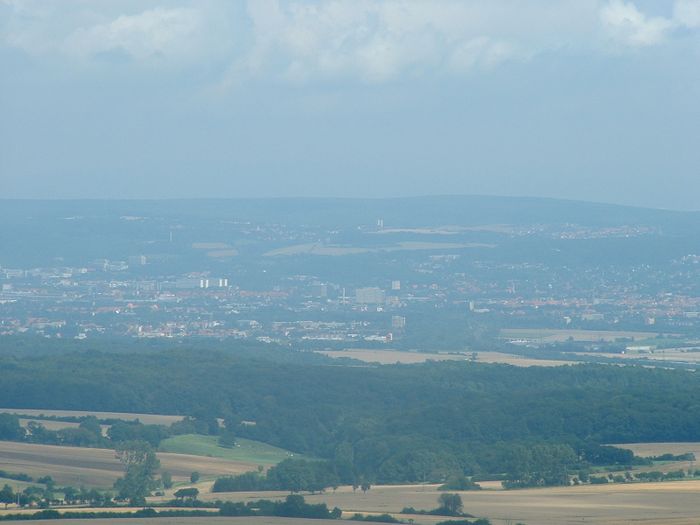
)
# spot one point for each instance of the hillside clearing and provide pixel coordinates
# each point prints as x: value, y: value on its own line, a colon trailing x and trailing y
x: 246, y: 450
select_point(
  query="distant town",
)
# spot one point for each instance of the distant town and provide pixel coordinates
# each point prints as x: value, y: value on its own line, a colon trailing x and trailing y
x: 214, y: 289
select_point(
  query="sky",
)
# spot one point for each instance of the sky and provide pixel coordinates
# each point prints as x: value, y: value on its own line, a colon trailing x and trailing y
x: 580, y: 99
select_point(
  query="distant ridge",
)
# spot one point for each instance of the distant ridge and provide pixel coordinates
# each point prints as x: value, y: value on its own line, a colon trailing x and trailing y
x: 465, y: 210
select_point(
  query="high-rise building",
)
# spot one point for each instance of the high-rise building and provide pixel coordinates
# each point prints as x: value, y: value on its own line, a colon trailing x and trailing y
x: 398, y: 322
x: 369, y: 295
x: 137, y: 260
x: 319, y: 290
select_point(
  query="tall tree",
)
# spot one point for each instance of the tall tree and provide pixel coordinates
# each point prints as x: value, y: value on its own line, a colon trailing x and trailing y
x: 10, y: 428
x: 451, y: 503
x: 140, y: 465
x: 7, y: 495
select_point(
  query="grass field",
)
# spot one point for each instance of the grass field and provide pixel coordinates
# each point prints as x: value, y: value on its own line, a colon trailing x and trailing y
x: 559, y: 335
x: 246, y: 451
x: 148, y: 419
x: 99, y: 467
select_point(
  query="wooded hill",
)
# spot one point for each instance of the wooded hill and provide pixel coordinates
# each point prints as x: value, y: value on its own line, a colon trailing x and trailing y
x: 387, y: 424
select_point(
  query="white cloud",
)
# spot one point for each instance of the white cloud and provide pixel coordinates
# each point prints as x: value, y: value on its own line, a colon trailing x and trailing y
x: 156, y: 32
x: 142, y: 30
x: 377, y: 41
x: 308, y: 40
x: 628, y: 25
x: 687, y: 13
x: 481, y: 52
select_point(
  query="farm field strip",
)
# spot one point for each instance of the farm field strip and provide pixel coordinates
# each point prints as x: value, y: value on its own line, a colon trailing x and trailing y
x: 676, y: 502
x: 389, y: 357
x: 646, y: 450
x: 340, y: 250
x: 99, y: 467
x: 191, y: 521
x: 49, y: 424
x: 82, y: 510
x: 519, y: 360
x: 147, y: 419
x: 560, y: 335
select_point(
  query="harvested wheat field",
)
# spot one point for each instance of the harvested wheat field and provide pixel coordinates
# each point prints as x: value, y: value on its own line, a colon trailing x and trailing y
x: 646, y: 450
x: 518, y: 360
x: 99, y: 467
x: 675, y: 503
x: 390, y: 357
x: 147, y: 419
x: 559, y: 335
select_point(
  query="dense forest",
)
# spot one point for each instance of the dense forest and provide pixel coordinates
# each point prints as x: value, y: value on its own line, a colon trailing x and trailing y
x: 382, y: 423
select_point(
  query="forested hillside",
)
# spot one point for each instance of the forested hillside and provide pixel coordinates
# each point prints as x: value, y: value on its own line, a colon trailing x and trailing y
x: 390, y: 423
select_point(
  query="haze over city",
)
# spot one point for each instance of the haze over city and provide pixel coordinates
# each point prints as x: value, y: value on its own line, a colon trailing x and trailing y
x: 279, y: 262
x: 578, y: 99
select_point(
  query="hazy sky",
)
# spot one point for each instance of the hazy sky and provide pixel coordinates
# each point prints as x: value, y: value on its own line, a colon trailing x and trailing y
x: 584, y: 99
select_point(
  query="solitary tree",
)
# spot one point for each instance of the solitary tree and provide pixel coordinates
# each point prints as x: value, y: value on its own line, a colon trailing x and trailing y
x: 140, y: 465
x: 10, y: 429
x: 189, y: 493
x: 7, y: 495
x: 227, y: 439
x: 166, y: 480
x: 194, y: 477
x: 451, y: 504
